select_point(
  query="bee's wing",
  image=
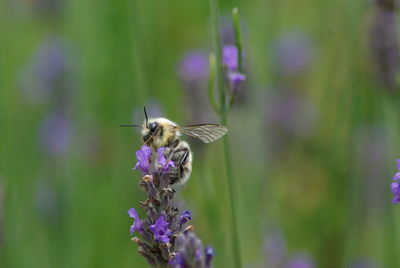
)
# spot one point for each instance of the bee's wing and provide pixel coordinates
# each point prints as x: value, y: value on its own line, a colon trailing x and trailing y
x: 205, y: 132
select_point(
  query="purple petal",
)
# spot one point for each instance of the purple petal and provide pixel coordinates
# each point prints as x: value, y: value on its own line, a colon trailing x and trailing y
x: 396, y: 199
x: 396, y: 176
x: 137, y: 223
x: 143, y: 156
x: 230, y: 57
x: 185, y: 216
x: 160, y: 230
x: 395, y: 186
x: 236, y: 78
x: 209, y: 252
x: 161, y: 158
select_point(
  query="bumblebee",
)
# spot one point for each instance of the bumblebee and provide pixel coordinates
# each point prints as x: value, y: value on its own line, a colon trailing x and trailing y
x: 162, y: 132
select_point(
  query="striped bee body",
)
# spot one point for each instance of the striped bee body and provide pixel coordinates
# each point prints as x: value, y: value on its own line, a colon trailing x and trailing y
x: 179, y: 152
x: 161, y: 132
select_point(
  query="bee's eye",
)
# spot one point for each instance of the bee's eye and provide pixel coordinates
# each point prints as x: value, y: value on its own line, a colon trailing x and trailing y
x: 153, y: 127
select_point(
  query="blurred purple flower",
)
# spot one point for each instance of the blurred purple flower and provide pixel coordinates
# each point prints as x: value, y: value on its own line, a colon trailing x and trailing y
x: 55, y: 133
x: 300, y: 260
x: 293, y: 53
x: 230, y: 61
x: 397, y: 175
x: 160, y: 230
x: 137, y: 223
x: 193, y: 67
x: 275, y: 248
x: 384, y: 42
x: 185, y: 216
x: 226, y: 31
x: 236, y: 79
x: 370, y: 147
x: 193, y: 71
x: 48, y: 73
x: 143, y: 157
x: 230, y: 57
x: 363, y: 264
x: 48, y: 7
x: 177, y: 261
x: 291, y: 114
x: 209, y: 252
x: 162, y: 161
x: 395, y: 186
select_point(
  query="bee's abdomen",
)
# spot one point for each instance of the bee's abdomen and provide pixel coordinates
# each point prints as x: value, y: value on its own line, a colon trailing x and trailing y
x: 182, y: 158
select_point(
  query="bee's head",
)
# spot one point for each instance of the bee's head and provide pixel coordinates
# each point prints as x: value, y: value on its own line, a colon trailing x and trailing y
x: 158, y: 132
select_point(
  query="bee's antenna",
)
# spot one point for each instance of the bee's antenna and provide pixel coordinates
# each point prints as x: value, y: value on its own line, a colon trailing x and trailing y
x: 145, y: 114
x: 129, y: 125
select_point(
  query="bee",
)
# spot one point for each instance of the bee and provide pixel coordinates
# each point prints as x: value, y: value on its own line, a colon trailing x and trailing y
x: 162, y: 132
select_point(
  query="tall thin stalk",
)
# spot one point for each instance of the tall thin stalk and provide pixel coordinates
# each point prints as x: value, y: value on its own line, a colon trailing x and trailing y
x: 223, y: 113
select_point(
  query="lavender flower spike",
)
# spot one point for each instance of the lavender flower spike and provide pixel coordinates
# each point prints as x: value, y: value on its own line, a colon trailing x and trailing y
x: 143, y: 156
x: 397, y: 175
x: 165, y: 239
x: 160, y: 230
x: 162, y: 161
x: 230, y: 57
x: 137, y: 223
x: 231, y: 62
x: 185, y: 216
x: 395, y: 186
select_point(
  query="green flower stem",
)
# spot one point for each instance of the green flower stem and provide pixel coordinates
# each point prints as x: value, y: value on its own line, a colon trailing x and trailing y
x: 211, y: 83
x: 239, y: 47
x: 220, y: 82
x: 238, y: 37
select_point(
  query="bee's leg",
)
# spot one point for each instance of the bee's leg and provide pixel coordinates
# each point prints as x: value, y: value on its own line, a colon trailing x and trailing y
x: 182, y: 162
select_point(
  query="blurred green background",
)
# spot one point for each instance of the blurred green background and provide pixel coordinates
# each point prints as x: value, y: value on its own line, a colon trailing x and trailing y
x: 314, y: 132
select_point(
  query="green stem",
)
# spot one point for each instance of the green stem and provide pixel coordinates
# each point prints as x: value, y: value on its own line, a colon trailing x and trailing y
x: 220, y: 82
x: 238, y: 37
x: 211, y: 83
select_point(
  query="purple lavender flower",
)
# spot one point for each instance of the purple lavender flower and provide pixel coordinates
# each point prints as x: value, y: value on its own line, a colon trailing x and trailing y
x: 275, y: 248
x: 363, y: 263
x: 137, y: 223
x: 209, y: 252
x: 230, y: 57
x: 193, y: 67
x: 230, y: 61
x: 384, y: 42
x: 165, y: 239
x: 55, y: 133
x: 395, y: 186
x: 48, y: 74
x: 300, y: 261
x: 177, y: 261
x: 397, y: 175
x: 236, y: 79
x: 160, y: 230
x: 143, y: 157
x: 185, y: 216
x: 162, y: 161
x: 293, y: 53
